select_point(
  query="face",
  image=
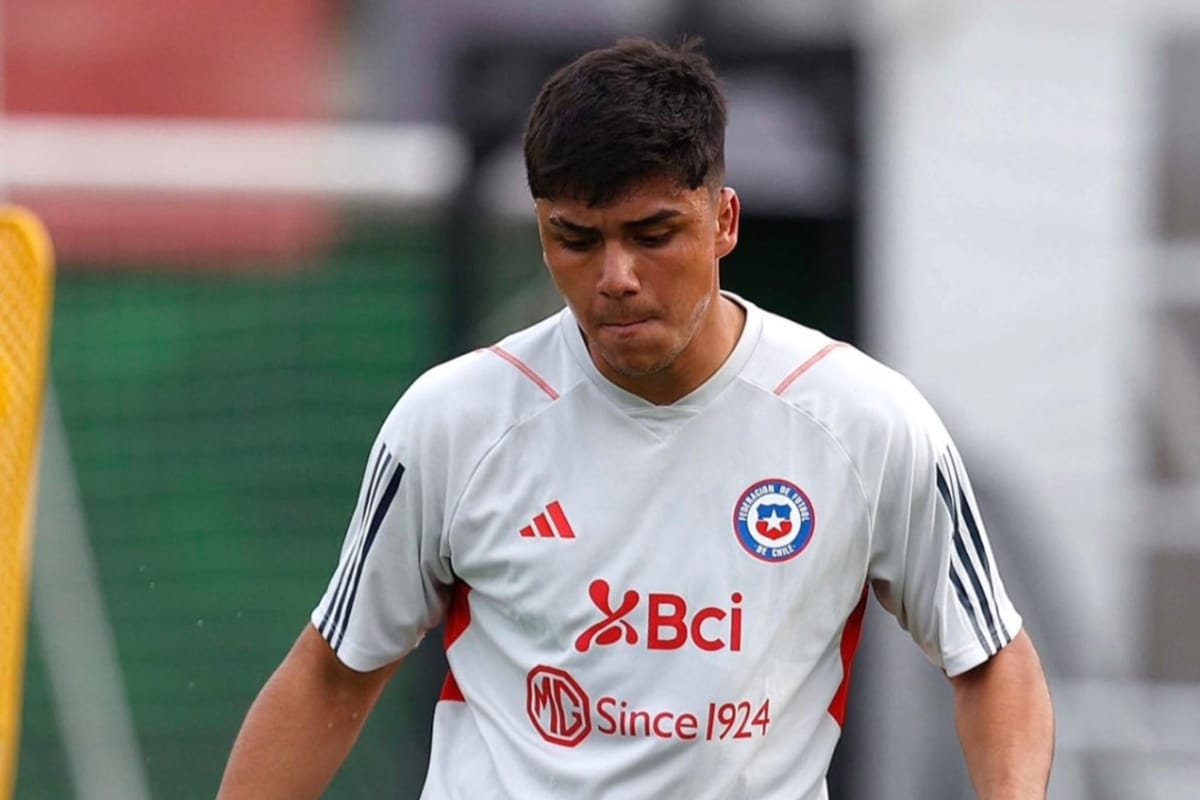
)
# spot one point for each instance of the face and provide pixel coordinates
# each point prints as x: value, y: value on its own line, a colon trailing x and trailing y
x: 640, y: 275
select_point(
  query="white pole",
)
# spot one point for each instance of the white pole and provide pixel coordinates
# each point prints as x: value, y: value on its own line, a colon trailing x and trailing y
x: 77, y: 641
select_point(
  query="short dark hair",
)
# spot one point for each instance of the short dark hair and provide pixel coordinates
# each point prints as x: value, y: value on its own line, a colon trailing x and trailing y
x: 622, y: 115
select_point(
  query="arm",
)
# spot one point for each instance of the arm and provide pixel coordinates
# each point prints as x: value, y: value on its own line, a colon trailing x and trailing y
x: 302, y: 725
x: 1006, y: 724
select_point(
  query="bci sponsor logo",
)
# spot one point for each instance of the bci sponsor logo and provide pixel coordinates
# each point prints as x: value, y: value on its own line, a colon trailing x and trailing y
x: 668, y: 623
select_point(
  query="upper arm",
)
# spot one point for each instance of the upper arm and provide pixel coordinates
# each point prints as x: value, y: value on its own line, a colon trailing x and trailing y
x: 933, y: 566
x: 1016, y: 662
x: 302, y: 724
x: 1005, y: 722
x: 313, y: 662
x: 390, y: 584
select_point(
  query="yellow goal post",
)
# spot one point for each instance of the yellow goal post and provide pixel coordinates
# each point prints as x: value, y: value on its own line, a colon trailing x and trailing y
x: 26, y: 297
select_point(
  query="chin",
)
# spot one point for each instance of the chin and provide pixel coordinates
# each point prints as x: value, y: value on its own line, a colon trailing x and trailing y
x: 635, y: 370
x: 638, y: 366
x: 638, y: 357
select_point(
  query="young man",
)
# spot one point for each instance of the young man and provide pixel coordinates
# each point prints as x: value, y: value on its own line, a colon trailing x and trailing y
x: 649, y: 521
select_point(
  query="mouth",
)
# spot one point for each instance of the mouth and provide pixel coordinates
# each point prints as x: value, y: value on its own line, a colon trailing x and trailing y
x: 625, y: 326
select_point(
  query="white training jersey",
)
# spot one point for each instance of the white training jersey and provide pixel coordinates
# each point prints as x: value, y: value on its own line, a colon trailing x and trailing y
x: 650, y: 601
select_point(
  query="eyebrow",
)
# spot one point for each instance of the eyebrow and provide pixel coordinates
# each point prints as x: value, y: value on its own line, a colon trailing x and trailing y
x: 637, y: 224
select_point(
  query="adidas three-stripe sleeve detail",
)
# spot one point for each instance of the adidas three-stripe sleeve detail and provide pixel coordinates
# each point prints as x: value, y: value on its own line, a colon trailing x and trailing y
x: 970, y: 565
x: 382, y: 488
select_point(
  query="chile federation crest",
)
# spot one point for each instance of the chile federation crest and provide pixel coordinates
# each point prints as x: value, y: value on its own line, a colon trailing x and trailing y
x: 774, y: 520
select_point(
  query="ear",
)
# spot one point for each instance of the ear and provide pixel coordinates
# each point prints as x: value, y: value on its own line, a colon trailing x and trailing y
x: 729, y: 211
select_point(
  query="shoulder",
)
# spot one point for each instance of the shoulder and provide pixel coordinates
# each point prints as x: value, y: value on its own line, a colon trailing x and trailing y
x: 473, y: 399
x: 859, y: 400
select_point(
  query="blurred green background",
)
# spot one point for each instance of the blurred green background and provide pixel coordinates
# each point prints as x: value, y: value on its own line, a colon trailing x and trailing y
x: 217, y: 421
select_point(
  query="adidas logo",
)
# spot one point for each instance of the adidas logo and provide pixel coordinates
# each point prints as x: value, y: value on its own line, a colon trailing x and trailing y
x: 550, y: 525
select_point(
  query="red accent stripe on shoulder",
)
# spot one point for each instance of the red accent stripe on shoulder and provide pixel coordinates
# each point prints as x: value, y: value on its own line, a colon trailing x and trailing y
x: 450, y: 690
x: 803, y: 368
x: 851, y: 635
x: 526, y: 370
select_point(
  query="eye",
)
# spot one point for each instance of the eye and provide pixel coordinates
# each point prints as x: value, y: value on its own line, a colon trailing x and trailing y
x: 655, y: 240
x: 576, y: 245
x: 575, y: 242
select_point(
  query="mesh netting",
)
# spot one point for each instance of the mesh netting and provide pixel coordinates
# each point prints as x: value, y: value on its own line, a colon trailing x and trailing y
x: 218, y: 415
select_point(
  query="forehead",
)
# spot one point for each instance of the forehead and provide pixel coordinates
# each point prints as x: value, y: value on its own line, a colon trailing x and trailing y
x: 641, y: 201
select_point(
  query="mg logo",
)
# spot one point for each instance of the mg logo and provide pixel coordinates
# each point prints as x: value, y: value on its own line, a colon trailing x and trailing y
x: 557, y: 706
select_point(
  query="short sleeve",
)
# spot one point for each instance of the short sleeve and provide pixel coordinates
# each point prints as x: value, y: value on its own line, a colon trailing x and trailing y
x: 932, y: 564
x: 392, y: 578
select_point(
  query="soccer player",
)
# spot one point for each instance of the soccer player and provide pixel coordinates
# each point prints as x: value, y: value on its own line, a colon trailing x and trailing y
x: 650, y: 521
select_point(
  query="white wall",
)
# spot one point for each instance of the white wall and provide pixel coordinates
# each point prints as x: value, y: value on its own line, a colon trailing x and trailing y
x: 1008, y: 257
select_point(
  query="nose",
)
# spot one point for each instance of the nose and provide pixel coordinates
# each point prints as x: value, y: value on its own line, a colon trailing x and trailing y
x: 619, y: 276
